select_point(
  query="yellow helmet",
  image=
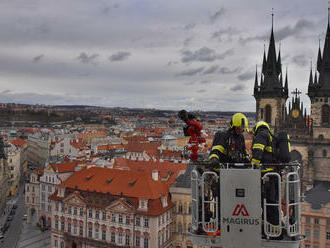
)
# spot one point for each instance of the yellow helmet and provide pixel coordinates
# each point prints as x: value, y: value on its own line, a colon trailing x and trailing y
x: 261, y: 124
x: 239, y: 120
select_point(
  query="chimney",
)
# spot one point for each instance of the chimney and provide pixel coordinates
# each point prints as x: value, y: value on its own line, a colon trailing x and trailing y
x: 154, y: 175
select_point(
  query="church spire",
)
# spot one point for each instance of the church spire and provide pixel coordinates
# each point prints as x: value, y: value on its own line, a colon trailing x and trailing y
x: 315, y: 78
x: 286, y: 87
x: 264, y: 62
x: 310, y: 84
x: 271, y: 56
x: 256, y: 85
x: 319, y: 58
x: 279, y: 62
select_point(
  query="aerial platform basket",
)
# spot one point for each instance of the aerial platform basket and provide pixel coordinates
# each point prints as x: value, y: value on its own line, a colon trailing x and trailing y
x: 241, y: 206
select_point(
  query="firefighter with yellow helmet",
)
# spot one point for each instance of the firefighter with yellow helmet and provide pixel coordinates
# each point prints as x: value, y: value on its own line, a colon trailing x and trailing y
x: 263, y: 154
x: 229, y: 146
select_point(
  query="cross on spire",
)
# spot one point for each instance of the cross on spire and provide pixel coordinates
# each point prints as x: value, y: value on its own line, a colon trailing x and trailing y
x: 296, y: 92
x: 272, y: 14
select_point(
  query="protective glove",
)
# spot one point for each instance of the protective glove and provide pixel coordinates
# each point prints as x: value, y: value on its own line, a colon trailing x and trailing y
x: 213, y: 163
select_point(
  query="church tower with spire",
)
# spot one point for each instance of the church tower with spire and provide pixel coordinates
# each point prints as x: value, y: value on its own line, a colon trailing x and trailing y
x: 319, y: 90
x: 270, y: 93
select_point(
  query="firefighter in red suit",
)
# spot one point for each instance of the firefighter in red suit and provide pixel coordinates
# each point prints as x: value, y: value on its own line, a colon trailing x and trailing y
x: 192, y: 129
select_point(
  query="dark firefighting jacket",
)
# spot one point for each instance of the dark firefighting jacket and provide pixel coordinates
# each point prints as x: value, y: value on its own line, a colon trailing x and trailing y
x: 262, y: 147
x: 229, y: 147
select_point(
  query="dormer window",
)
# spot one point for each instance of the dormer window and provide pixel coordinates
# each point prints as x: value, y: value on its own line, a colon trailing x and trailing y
x: 164, y: 201
x: 143, y: 204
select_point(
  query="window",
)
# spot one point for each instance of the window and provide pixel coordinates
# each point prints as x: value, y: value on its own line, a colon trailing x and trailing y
x: 56, y: 224
x: 63, y: 208
x: 146, y: 222
x: 104, y: 234
x: 308, y: 220
x: 146, y: 243
x: 189, y: 209
x: 328, y: 222
x: 324, y: 153
x: 90, y: 214
x: 307, y: 233
x: 75, y: 228
x: 81, y: 212
x: 49, y: 208
x: 316, y: 221
x: 69, y: 210
x: 81, y: 230
x: 56, y: 206
x: 96, y: 233
x: 120, y: 219
x: 179, y: 227
x: 62, y: 244
x: 104, y: 216
x: 49, y: 188
x: 137, y: 241
x: 127, y: 220
x: 113, y: 218
x: 180, y: 208
x: 325, y: 113
x: 62, y: 226
x: 127, y: 240
x: 43, y: 187
x: 268, y: 114
x: 27, y: 199
x: 113, y: 237
x: 97, y: 214
x: 42, y: 196
x: 55, y: 242
x: 69, y: 227
x: 137, y: 221
x: 120, y: 238
x: 328, y: 235
x: 90, y: 232
x: 75, y: 210
x: 316, y: 234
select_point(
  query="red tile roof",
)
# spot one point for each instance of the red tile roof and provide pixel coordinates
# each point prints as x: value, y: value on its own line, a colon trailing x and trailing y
x: 141, y: 147
x: 18, y: 142
x: 117, y: 182
x: 67, y: 166
x: 110, y: 147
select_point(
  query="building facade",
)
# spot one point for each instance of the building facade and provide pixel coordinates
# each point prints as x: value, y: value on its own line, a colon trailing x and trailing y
x: 102, y: 207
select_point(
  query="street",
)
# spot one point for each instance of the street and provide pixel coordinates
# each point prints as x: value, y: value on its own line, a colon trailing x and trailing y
x: 13, y: 232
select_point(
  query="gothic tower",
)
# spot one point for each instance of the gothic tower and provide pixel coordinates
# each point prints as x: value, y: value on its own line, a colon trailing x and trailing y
x: 271, y: 94
x: 319, y: 94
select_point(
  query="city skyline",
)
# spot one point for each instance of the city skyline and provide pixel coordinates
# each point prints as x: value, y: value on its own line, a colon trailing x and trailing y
x: 153, y: 54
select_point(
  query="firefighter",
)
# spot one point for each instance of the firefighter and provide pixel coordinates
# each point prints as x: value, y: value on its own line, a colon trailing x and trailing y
x: 229, y: 146
x: 262, y: 153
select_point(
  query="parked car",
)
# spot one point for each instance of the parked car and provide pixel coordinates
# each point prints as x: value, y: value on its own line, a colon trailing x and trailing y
x: 1, y: 236
x: 12, y: 212
x: 5, y: 227
x: 14, y: 206
x: 9, y: 218
x: 24, y: 217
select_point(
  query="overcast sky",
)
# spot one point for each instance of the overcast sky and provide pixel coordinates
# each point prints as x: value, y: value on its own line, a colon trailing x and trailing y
x: 193, y: 54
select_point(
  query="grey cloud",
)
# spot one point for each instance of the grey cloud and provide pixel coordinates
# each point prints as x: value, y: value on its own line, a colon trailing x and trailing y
x: 225, y: 34
x: 300, y: 60
x: 226, y: 70
x: 217, y: 15
x: 5, y: 92
x: 187, y: 41
x: 225, y: 54
x: 204, y: 54
x: 191, y: 72
x: 284, y: 32
x: 87, y: 59
x: 211, y: 69
x: 119, y: 56
x: 201, y: 91
x: 237, y: 87
x: 189, y: 26
x: 38, y: 58
x: 205, y: 82
x: 246, y: 76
